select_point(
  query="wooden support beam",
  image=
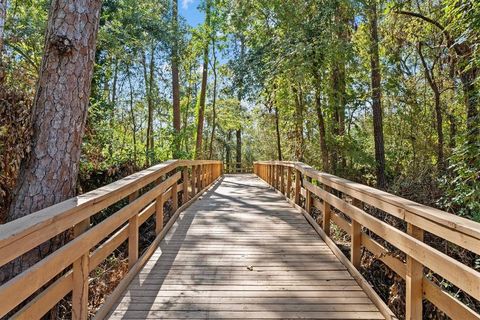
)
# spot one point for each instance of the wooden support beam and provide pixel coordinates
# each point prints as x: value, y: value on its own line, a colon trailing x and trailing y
x: 174, y: 197
x: 289, y: 182
x: 413, y: 280
x: 298, y: 186
x: 132, y: 241
x: 282, y: 179
x: 185, y: 185
x: 158, y: 215
x: 356, y: 239
x: 80, y: 277
x: 308, y: 199
x: 326, y: 215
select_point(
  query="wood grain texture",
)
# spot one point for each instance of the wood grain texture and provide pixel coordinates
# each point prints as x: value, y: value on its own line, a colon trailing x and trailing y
x: 241, y: 251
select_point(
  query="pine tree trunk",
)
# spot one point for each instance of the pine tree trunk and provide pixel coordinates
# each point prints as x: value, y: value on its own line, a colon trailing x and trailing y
x: 376, y: 97
x: 49, y: 174
x: 175, y: 83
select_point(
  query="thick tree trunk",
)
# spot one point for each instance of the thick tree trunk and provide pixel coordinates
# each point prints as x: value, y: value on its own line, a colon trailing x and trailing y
x: 376, y: 97
x: 49, y: 174
x: 321, y: 131
x: 175, y: 82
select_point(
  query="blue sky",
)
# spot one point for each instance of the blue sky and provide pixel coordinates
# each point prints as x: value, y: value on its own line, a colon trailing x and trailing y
x: 189, y: 10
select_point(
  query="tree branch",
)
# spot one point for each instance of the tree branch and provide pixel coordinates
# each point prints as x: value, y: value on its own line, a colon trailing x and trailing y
x: 450, y: 40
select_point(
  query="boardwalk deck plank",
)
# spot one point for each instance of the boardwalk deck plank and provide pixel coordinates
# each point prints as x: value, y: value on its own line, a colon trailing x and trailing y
x: 241, y: 251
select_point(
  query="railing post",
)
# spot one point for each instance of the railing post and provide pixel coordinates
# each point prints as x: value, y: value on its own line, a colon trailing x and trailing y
x: 158, y: 215
x: 174, y: 197
x: 185, y: 185
x: 414, y: 280
x: 308, y: 198
x: 133, y: 235
x: 326, y: 214
x: 289, y: 182
x: 282, y: 179
x: 356, y: 238
x: 193, y: 182
x: 298, y: 186
x: 80, y: 278
x: 132, y: 241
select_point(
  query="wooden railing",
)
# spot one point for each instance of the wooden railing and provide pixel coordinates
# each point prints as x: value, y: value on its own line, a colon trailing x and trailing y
x: 344, y: 204
x: 238, y: 167
x: 36, y: 290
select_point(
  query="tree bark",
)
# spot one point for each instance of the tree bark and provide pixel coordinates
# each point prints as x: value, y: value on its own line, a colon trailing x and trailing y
x: 321, y: 130
x: 376, y: 96
x: 149, y: 84
x: 214, y: 101
x: 203, y: 90
x: 239, y: 149
x: 49, y: 174
x: 277, y: 130
x: 175, y: 83
x: 228, y: 152
x: 298, y: 123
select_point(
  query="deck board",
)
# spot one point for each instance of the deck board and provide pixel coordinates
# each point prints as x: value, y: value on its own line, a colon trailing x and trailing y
x: 242, y: 252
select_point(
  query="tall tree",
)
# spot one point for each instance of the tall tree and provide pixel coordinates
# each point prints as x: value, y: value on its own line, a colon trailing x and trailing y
x: 175, y: 81
x: 203, y: 89
x: 376, y: 95
x: 49, y: 174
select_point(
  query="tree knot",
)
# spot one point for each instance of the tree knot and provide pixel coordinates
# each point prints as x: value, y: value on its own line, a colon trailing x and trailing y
x: 63, y: 44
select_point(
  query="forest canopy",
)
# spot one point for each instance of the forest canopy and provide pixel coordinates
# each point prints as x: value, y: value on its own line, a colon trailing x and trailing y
x: 381, y: 92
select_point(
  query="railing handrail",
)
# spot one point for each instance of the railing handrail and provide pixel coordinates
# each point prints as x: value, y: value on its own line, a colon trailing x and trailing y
x: 465, y: 233
x: 23, y: 227
x: 22, y: 235
x: 446, y: 219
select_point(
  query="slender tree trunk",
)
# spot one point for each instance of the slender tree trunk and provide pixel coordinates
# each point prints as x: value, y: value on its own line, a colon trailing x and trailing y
x: 277, y: 130
x: 149, y: 84
x: 203, y: 90
x: 214, y: 101
x: 134, y: 122
x: 228, y: 151
x: 298, y: 123
x: 239, y: 149
x: 429, y: 75
x: 321, y: 130
x: 175, y: 83
x: 49, y: 174
x: 113, y: 102
x: 376, y: 97
x: 3, y: 17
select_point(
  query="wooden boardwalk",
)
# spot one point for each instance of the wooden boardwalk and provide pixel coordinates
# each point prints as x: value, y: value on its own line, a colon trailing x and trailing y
x: 241, y: 251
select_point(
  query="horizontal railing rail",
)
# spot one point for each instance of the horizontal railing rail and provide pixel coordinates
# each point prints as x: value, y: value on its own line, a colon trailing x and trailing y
x: 238, y: 167
x: 35, y: 291
x: 343, y: 203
